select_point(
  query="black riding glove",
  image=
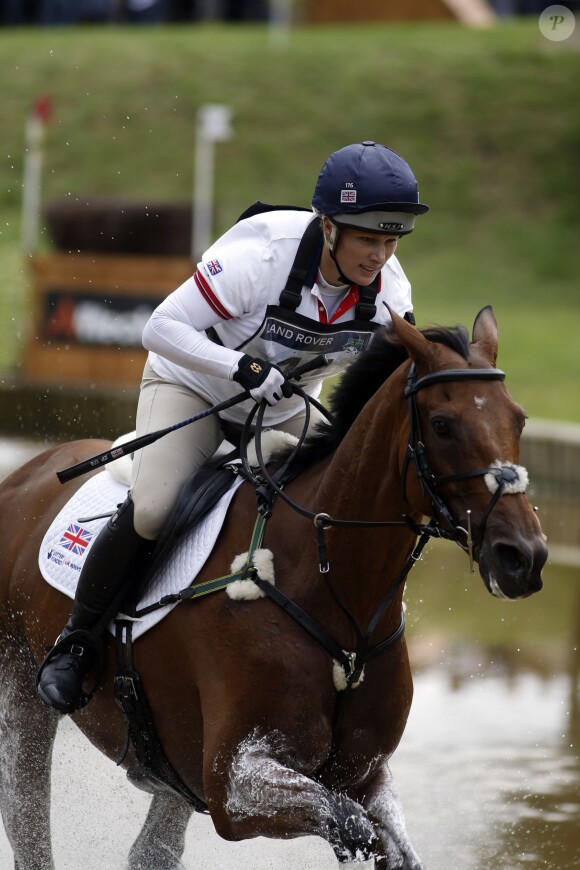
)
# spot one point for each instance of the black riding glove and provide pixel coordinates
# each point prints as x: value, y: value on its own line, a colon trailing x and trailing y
x: 262, y: 379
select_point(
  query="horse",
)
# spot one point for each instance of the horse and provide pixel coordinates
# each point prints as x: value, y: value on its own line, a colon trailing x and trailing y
x: 280, y: 714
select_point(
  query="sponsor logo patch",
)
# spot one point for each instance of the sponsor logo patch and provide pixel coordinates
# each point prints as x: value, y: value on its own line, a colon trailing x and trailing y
x: 391, y: 227
x: 60, y: 559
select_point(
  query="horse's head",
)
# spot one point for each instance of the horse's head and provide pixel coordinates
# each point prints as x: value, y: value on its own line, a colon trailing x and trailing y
x: 464, y: 446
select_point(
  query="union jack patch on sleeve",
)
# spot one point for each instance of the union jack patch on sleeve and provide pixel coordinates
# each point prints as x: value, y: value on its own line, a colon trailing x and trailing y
x: 214, y: 267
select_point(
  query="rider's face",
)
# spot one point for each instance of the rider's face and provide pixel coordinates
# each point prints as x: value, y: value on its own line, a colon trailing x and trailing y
x: 361, y: 255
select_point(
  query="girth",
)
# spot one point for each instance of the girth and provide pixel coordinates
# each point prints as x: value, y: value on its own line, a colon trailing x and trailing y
x: 141, y: 732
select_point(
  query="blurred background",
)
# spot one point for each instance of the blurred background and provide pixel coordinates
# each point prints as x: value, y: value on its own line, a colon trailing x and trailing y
x: 133, y: 132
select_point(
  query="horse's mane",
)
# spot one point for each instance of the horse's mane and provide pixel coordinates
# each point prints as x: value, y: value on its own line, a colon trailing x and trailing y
x: 363, y: 378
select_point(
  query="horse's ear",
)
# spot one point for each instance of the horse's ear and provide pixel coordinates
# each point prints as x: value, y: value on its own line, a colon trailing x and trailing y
x: 420, y: 349
x: 485, y: 333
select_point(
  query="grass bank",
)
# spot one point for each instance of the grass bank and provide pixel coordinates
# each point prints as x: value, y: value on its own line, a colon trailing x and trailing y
x: 488, y: 119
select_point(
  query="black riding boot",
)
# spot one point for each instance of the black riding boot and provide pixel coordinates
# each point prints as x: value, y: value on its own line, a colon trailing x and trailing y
x: 114, y: 566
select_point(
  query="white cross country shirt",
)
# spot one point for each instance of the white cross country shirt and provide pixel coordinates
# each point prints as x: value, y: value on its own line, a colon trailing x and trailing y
x: 233, y: 290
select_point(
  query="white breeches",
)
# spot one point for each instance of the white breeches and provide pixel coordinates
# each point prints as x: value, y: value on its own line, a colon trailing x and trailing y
x: 160, y: 470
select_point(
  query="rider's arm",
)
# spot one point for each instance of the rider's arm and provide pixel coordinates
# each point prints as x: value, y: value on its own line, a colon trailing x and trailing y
x: 175, y: 331
x: 223, y: 288
x: 170, y: 332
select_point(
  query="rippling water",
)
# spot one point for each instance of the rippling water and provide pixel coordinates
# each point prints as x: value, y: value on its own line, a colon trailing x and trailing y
x: 489, y: 776
x: 488, y: 768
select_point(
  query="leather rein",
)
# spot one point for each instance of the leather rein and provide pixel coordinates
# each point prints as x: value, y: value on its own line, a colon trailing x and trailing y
x: 443, y: 525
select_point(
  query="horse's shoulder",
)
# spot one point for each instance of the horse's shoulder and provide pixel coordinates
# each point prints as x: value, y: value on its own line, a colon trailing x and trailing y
x: 54, y: 458
x: 75, y: 451
x: 33, y: 490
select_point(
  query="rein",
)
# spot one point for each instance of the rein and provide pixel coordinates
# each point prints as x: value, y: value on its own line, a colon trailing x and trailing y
x: 416, y: 454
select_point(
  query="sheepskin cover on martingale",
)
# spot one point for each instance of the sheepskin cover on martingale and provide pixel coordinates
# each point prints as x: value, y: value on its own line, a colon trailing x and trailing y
x: 247, y: 590
x: 273, y: 443
x: 519, y: 483
x: 339, y: 678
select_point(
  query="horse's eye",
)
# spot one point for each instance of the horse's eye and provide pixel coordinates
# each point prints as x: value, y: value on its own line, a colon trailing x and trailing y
x: 441, y: 427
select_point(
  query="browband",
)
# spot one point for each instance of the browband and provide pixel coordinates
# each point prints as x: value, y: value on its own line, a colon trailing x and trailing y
x: 453, y: 375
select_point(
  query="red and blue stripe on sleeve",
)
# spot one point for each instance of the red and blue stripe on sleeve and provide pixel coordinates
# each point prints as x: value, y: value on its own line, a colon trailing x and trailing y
x: 210, y: 297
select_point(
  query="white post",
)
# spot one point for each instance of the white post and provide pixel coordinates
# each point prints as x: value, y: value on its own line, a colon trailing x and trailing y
x: 213, y: 125
x: 280, y: 22
x: 31, y: 183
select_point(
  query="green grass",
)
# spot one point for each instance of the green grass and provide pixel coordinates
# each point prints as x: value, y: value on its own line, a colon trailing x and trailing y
x: 488, y: 119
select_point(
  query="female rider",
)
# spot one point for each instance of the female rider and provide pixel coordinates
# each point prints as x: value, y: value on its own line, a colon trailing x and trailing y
x: 280, y: 287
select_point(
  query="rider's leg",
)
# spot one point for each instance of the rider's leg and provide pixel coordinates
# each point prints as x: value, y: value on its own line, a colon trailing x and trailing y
x: 117, y: 554
x: 117, y: 559
x: 160, y: 470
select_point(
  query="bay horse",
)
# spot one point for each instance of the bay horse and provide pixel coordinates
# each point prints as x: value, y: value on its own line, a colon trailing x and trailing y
x: 283, y: 726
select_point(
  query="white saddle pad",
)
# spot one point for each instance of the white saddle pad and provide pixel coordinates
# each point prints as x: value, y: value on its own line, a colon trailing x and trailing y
x: 70, y: 537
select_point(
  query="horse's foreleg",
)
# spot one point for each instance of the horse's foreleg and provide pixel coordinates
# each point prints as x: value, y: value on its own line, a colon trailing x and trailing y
x: 161, y: 841
x: 383, y: 806
x: 27, y: 731
x: 260, y: 796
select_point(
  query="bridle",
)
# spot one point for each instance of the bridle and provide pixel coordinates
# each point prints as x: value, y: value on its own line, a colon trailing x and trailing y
x: 268, y: 486
x: 417, y: 455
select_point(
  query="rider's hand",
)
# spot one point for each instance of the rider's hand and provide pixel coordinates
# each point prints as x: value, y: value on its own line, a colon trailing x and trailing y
x: 263, y: 380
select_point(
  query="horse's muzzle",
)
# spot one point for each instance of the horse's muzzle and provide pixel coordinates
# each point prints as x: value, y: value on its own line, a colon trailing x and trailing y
x: 512, y: 569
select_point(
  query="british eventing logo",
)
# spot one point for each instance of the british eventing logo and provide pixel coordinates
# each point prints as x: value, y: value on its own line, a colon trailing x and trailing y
x: 214, y: 267
x: 76, y: 539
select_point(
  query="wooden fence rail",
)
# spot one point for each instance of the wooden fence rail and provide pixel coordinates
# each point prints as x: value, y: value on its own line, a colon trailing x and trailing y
x: 551, y: 453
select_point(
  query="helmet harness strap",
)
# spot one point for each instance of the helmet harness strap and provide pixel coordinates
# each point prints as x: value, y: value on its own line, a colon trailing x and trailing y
x: 331, y: 242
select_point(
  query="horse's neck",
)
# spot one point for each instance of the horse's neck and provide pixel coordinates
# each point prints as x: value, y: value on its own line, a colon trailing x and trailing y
x: 362, y: 481
x: 363, y: 477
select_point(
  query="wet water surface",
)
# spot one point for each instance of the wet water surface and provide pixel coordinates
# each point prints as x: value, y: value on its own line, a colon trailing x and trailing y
x: 489, y: 766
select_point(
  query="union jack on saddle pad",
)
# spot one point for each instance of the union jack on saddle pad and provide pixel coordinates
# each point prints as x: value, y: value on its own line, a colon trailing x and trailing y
x: 76, y: 539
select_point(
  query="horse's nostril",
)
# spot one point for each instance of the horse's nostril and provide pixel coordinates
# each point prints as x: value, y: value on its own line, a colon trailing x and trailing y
x: 511, y: 559
x: 521, y: 568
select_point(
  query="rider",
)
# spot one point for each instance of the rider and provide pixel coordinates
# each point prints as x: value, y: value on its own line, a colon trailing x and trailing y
x: 280, y: 287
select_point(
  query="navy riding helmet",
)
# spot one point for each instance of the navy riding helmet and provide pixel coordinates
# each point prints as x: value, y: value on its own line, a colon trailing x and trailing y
x: 368, y: 186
